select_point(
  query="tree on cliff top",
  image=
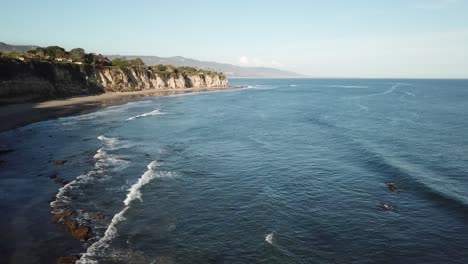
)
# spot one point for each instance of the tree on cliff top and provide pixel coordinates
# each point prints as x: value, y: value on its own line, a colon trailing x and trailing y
x: 137, y: 62
x: 161, y: 67
x: 55, y: 52
x: 78, y: 54
x: 123, y: 62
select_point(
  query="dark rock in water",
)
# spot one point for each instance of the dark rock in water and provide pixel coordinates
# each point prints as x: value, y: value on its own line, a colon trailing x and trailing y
x: 68, y: 259
x: 90, y: 152
x: 5, y: 150
x: 124, y: 159
x: 60, y: 216
x: 98, y: 217
x: 58, y: 180
x: 64, y: 182
x: 80, y: 232
x: 392, y: 187
x: 164, y: 260
x: 58, y: 162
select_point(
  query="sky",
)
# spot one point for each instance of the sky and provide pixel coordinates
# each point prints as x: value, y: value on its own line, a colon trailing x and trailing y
x: 329, y: 38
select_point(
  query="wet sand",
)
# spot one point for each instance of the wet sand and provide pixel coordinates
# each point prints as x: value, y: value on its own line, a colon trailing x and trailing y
x: 17, y: 115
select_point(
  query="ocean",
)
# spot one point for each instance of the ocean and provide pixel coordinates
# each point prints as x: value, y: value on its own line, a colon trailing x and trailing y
x: 281, y: 171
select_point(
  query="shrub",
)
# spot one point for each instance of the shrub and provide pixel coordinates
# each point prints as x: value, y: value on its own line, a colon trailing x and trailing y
x: 120, y: 62
x: 161, y: 67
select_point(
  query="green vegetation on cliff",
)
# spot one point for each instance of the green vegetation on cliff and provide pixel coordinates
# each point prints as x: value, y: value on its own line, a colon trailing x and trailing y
x: 24, y: 80
x: 123, y: 62
x: 58, y: 55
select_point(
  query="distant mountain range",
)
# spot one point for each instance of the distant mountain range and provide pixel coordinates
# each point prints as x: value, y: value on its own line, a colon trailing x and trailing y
x: 18, y: 48
x: 229, y: 70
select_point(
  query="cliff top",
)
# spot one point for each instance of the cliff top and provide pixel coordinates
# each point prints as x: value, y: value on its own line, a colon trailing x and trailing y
x: 58, y: 55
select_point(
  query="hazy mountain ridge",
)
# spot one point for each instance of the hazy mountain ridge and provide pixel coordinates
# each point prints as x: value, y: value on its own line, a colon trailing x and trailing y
x: 15, y: 48
x: 229, y: 70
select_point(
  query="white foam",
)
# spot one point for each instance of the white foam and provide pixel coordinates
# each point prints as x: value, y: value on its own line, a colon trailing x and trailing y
x: 108, y: 140
x: 133, y: 194
x: 153, y: 165
x: 394, y: 87
x: 104, y: 162
x: 103, y: 243
x: 391, y: 89
x: 98, y: 114
x: 152, y: 113
x: 265, y: 87
x: 269, y: 238
x: 294, y: 85
x: 134, y: 191
x: 111, y: 143
x: 100, y: 154
x: 349, y: 86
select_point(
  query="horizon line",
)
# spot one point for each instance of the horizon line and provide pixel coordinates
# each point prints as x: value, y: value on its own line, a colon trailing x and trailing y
x: 361, y: 78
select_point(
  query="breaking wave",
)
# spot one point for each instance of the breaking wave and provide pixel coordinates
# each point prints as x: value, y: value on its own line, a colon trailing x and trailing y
x: 134, y: 193
x: 104, y: 162
x: 152, y: 113
x: 269, y: 238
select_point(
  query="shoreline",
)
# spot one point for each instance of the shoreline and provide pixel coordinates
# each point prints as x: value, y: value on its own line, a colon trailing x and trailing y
x: 68, y: 232
x: 23, y: 114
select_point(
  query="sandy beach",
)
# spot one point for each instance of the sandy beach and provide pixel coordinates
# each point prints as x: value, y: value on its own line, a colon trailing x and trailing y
x: 17, y: 115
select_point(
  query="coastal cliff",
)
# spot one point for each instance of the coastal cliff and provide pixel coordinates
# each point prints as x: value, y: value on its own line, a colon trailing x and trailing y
x: 115, y: 79
x: 37, y: 80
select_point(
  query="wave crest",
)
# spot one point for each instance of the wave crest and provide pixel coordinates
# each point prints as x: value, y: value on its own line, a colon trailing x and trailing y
x: 134, y: 193
x: 269, y: 238
x: 152, y: 113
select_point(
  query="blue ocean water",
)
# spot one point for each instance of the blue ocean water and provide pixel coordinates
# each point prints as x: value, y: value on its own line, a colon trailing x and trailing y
x: 283, y: 171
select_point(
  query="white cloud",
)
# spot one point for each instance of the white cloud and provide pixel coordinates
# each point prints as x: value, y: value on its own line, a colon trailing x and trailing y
x: 244, y: 60
x: 259, y: 62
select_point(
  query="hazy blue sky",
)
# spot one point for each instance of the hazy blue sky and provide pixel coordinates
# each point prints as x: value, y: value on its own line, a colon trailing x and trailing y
x: 367, y: 38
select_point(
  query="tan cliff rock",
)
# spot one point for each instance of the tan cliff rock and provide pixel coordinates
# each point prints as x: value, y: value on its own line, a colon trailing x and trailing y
x: 34, y: 81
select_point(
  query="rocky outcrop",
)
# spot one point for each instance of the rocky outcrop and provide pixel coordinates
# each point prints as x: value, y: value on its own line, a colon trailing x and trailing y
x: 114, y: 79
x: 68, y: 259
x: 80, y: 231
x: 34, y: 81
x: 392, y: 187
x: 58, y: 162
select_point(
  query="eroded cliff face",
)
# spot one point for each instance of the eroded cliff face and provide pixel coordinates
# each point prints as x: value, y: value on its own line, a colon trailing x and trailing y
x: 43, y: 80
x: 145, y: 78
